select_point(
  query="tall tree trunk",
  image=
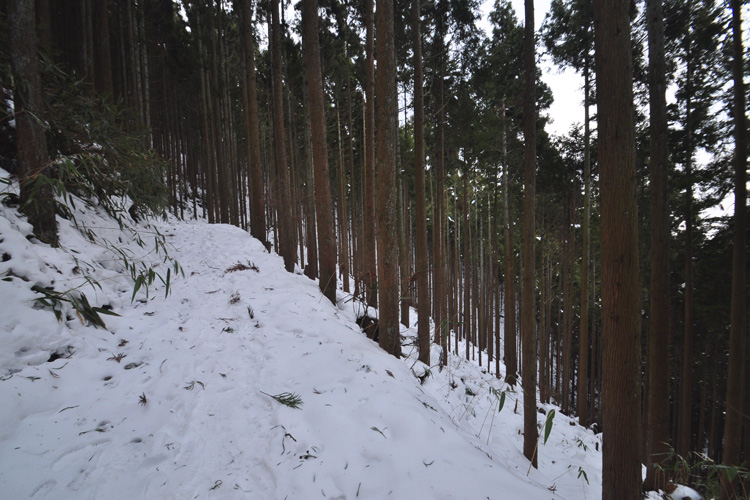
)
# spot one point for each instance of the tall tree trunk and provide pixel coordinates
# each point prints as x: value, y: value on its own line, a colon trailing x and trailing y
x: 468, y: 325
x: 257, y: 196
x: 509, y: 324
x: 528, y: 307
x: 583, y: 348
x: 621, y: 301
x: 323, y: 205
x: 567, y: 264
x: 687, y: 350
x: 342, y: 211
x: 738, y: 333
x: 403, y: 249
x: 287, y: 235
x: 311, y: 234
x: 220, y: 194
x: 657, y: 426
x: 439, y: 290
x: 371, y: 273
x: 102, y: 56
x: 387, y: 223
x: 37, y: 199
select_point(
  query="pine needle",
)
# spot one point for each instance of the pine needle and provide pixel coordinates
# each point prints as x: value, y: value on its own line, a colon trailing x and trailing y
x: 287, y: 398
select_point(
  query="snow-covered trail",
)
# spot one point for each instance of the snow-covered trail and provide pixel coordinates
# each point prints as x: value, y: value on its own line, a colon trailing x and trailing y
x: 77, y: 428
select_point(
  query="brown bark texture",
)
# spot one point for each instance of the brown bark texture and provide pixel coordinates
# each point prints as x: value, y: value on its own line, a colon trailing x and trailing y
x: 528, y: 293
x: 583, y: 347
x: 37, y: 200
x: 371, y: 273
x: 421, y: 264
x: 387, y: 220
x: 657, y: 427
x: 621, y: 301
x: 257, y: 195
x: 287, y: 235
x: 737, y: 333
x: 323, y: 203
x: 509, y: 295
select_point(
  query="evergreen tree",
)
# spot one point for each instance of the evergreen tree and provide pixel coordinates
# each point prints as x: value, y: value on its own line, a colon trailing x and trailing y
x: 387, y: 125
x: 657, y: 425
x: 528, y: 302
x: 287, y: 232
x: 422, y: 263
x: 37, y: 200
x: 568, y: 35
x: 323, y: 205
x: 621, y: 464
x: 738, y: 333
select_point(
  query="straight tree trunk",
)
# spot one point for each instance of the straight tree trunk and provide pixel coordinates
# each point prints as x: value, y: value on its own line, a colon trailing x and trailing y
x: 567, y: 237
x: 311, y: 234
x: 621, y: 301
x: 37, y: 204
x: 583, y: 352
x: 738, y: 333
x: 657, y: 426
x: 342, y: 208
x: 509, y: 325
x: 102, y: 55
x: 257, y: 196
x: 403, y: 249
x: 323, y: 204
x: 528, y: 307
x: 371, y: 273
x: 287, y: 235
x: 468, y: 325
x: 440, y: 290
x: 215, y: 117
x: 387, y: 223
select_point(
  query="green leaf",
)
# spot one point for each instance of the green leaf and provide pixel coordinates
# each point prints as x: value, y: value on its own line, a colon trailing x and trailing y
x: 582, y: 472
x: 548, y: 425
x: 169, y: 275
x: 502, y: 402
x: 136, y: 287
x: 108, y: 312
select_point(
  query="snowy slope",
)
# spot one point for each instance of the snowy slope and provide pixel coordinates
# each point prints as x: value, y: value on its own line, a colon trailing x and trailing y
x: 185, y: 412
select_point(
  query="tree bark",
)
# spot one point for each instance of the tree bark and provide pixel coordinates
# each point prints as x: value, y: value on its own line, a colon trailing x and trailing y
x: 323, y: 204
x: 583, y: 348
x: 621, y: 301
x: 568, y: 306
x: 257, y: 196
x: 102, y: 56
x: 37, y: 198
x: 509, y: 296
x: 528, y: 307
x: 738, y: 333
x: 371, y: 273
x: 387, y: 223
x: 288, y: 247
x: 657, y: 427
x: 342, y: 209
x: 311, y: 233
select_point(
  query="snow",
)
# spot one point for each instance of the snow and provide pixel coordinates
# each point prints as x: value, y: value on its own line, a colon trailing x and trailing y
x: 185, y: 411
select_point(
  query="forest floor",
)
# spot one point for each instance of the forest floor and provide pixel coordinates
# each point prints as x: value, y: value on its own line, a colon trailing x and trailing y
x: 174, y: 398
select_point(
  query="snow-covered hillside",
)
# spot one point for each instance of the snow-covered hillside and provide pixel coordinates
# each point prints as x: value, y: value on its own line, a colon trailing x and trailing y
x: 173, y: 399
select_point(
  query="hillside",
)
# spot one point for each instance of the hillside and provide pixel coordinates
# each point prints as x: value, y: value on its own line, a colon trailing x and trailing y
x: 173, y: 398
